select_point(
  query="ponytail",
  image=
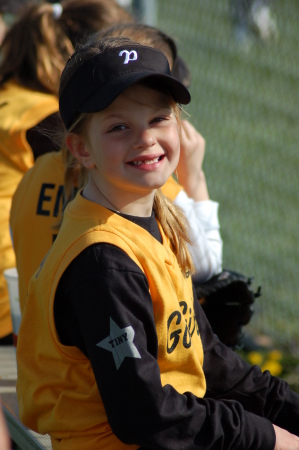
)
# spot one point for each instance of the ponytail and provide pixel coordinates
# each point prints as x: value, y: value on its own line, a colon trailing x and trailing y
x: 75, y: 176
x: 175, y: 226
x: 35, y: 50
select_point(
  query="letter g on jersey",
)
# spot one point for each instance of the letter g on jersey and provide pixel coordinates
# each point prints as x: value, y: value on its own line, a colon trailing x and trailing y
x: 130, y: 56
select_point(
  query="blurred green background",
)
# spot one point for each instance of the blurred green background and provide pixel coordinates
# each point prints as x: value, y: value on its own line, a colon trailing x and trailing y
x: 245, y: 103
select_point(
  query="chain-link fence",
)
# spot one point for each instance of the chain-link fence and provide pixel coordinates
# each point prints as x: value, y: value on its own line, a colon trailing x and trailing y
x: 245, y: 101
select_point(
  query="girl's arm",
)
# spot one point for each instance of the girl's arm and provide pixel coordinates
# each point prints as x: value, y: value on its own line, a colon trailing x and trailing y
x: 110, y: 300
x: 189, y: 169
x: 229, y: 377
x: 206, y: 248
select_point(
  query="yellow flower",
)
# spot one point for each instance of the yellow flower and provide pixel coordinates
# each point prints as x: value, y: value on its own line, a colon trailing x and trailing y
x: 274, y: 367
x: 275, y: 355
x: 255, y: 358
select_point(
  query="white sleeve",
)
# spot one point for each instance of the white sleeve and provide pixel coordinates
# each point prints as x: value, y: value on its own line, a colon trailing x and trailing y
x: 206, y: 248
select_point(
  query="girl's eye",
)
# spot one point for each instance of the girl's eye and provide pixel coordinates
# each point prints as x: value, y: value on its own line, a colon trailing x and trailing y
x: 159, y: 119
x: 117, y: 128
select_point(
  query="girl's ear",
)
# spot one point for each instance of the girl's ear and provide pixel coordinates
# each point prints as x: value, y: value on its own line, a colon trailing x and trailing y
x: 77, y: 147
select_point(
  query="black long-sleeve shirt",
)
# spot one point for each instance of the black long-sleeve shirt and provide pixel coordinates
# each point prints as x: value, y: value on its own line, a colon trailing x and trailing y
x: 240, y: 402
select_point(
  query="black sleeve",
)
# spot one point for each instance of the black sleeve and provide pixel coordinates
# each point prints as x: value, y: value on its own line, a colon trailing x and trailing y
x: 229, y: 377
x: 112, y: 321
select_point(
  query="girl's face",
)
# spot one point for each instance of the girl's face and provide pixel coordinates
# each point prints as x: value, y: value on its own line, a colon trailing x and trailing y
x: 133, y: 144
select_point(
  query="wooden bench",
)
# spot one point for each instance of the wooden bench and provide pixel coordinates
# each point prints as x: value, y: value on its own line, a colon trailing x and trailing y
x: 24, y: 438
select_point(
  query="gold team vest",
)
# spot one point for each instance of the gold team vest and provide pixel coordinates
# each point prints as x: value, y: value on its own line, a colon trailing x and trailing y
x: 53, y: 378
x: 35, y: 215
x: 36, y: 211
x: 20, y: 110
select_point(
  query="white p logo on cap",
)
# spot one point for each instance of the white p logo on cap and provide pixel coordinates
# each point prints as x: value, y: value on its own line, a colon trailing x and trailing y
x: 130, y: 56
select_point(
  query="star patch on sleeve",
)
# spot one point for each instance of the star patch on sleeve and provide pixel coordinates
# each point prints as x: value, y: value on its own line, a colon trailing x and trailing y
x: 120, y: 343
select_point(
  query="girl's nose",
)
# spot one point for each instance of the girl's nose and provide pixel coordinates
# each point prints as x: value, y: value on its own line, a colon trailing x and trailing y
x: 144, y: 139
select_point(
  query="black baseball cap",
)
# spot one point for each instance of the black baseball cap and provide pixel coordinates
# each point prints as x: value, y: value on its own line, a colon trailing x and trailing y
x: 103, y: 77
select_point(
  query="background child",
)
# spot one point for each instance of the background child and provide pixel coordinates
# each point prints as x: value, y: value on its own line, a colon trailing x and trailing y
x: 40, y: 196
x: 33, y: 54
x: 112, y: 341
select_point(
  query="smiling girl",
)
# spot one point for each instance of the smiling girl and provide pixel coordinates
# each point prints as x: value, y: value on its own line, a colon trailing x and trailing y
x: 114, y: 350
x: 130, y: 148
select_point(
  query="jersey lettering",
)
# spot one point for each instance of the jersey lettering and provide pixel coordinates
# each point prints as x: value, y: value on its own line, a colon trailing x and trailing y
x: 175, y: 335
x: 119, y: 340
x: 59, y: 201
x: 189, y: 329
x: 47, y: 194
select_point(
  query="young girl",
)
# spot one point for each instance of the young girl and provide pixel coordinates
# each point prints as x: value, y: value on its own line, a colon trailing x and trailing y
x: 114, y: 350
x: 33, y: 54
x: 45, y: 189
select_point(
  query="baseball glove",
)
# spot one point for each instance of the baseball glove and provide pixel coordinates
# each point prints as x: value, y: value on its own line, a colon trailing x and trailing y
x: 227, y: 301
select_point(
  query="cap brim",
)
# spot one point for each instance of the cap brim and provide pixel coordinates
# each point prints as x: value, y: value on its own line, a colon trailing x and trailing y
x: 105, y: 95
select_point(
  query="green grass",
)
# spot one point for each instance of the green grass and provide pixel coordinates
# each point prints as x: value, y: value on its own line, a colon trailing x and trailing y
x: 246, y: 106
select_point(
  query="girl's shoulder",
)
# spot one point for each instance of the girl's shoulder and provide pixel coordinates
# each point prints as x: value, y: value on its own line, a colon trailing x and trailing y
x: 99, y: 259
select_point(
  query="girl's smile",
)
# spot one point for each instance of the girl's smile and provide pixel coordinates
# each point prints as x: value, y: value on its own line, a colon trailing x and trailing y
x: 131, y: 147
x: 148, y: 162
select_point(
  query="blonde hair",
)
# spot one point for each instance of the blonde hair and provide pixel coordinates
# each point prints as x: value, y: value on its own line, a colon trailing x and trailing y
x: 171, y: 218
x: 37, y: 46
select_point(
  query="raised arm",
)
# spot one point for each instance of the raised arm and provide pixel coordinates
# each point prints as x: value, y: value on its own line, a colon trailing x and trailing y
x: 190, y: 173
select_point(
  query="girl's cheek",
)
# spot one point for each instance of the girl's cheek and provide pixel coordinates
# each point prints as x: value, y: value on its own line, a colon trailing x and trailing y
x: 176, y: 141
